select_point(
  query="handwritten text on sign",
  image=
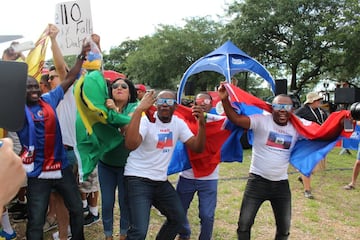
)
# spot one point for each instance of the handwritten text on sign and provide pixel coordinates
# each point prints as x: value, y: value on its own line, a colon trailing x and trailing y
x: 75, y: 23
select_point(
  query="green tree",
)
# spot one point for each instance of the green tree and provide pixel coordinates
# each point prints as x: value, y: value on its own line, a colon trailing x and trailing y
x: 297, y: 38
x: 161, y: 59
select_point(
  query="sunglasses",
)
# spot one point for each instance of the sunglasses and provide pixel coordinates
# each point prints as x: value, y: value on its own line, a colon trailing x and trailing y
x: 53, y: 76
x: 167, y: 101
x: 279, y: 107
x: 202, y: 101
x: 122, y: 85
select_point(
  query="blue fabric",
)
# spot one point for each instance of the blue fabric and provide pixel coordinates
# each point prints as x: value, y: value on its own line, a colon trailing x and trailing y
x: 179, y: 160
x: 353, y: 141
x: 306, y: 154
x: 38, y: 192
x: 111, y: 178
x: 207, y: 194
x: 227, y: 60
x: 141, y: 194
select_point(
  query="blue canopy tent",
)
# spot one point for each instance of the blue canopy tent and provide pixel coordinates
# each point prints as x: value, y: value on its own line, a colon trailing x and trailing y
x: 226, y: 60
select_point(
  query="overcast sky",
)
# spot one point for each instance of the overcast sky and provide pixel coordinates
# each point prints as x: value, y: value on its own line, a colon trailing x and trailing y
x: 115, y: 21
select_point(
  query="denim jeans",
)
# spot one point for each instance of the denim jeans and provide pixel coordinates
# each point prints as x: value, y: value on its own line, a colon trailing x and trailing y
x: 38, y: 192
x: 109, y: 179
x: 141, y: 194
x: 257, y: 191
x: 207, y: 195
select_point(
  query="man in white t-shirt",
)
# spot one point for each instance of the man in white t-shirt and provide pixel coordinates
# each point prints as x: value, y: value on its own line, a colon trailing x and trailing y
x: 152, y: 141
x: 274, y: 139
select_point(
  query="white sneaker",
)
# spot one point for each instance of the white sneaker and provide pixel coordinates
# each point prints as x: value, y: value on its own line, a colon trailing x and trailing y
x: 56, y: 234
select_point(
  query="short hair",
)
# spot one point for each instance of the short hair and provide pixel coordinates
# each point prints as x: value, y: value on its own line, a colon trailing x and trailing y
x: 204, y: 93
x: 52, y: 68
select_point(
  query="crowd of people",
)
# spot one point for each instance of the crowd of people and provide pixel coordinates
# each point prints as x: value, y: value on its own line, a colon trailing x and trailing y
x: 86, y: 137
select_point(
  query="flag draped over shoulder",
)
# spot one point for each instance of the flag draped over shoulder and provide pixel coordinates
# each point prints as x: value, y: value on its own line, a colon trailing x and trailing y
x: 36, y: 57
x: 96, y: 126
x: 203, y: 163
x: 318, y: 139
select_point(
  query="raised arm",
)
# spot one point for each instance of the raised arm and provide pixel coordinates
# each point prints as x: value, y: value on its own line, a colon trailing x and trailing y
x: 59, y: 62
x: 197, y: 143
x: 240, y: 120
x: 72, y: 75
x: 133, y: 138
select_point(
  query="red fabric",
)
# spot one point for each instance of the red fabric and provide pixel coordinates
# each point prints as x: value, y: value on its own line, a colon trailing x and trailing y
x: 140, y: 87
x: 112, y: 75
x: 204, y: 163
x: 50, y: 136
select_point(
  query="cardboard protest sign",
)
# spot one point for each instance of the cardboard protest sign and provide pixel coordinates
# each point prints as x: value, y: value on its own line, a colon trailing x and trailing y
x: 13, y: 76
x: 75, y: 23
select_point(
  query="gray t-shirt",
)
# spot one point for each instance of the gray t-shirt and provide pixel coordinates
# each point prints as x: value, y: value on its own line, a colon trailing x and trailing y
x: 15, y: 139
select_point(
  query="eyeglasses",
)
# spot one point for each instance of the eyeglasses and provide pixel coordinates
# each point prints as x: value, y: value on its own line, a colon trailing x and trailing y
x: 53, y: 76
x: 202, y: 101
x: 279, y: 107
x: 168, y: 101
x: 122, y: 85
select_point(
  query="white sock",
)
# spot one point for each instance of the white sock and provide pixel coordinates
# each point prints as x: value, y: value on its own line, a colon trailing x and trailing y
x: 5, y: 223
x: 94, y: 210
x: 84, y: 203
x: 22, y: 202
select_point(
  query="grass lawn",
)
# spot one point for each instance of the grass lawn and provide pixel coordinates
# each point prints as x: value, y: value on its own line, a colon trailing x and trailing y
x: 334, y: 214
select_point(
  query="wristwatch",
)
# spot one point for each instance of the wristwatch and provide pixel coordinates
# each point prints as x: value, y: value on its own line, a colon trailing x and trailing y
x: 81, y: 57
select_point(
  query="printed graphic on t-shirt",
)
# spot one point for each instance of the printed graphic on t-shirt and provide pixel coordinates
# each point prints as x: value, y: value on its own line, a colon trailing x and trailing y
x: 165, y: 140
x: 278, y: 140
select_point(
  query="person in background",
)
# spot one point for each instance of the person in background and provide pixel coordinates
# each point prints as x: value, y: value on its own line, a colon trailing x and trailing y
x: 44, y: 83
x: 9, y: 54
x: 111, y: 167
x: 152, y: 142
x: 311, y: 111
x: 355, y: 173
x: 58, y: 214
x: 140, y: 90
x: 89, y: 188
x: 47, y: 170
x: 206, y: 188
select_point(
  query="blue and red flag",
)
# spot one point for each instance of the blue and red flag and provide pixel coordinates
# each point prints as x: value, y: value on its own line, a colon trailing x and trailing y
x: 203, y: 163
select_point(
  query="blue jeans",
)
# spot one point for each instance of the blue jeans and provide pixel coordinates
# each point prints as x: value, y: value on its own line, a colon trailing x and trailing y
x: 207, y: 195
x: 109, y: 179
x: 38, y: 192
x: 70, y: 155
x: 258, y: 190
x: 141, y: 194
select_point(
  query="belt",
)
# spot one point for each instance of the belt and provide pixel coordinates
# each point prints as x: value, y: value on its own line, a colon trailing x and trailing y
x: 68, y: 148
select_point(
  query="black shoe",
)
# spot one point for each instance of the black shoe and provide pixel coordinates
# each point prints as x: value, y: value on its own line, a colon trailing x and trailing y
x: 91, y: 219
x: 300, y: 180
x: 17, y: 208
x: 308, y: 194
x: 20, y: 217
